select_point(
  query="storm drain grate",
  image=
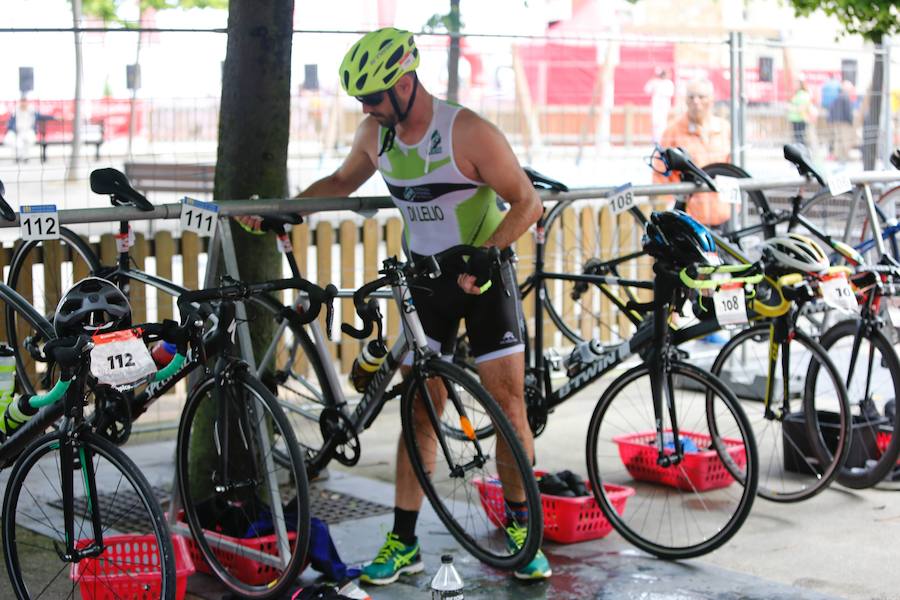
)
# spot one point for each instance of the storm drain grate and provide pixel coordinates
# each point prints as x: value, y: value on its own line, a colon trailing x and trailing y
x: 328, y: 505
x: 118, y: 509
x: 335, y: 507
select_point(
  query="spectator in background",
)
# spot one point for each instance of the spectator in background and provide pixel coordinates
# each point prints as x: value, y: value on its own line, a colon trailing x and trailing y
x: 707, y: 138
x: 24, y: 124
x: 801, y: 112
x: 660, y: 89
x: 830, y: 91
x: 840, y: 120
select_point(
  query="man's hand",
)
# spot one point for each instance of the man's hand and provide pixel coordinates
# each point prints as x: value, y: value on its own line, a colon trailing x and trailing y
x: 467, y: 283
x: 477, y: 278
x: 250, y: 223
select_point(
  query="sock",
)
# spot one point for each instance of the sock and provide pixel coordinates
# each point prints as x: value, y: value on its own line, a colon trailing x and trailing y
x: 405, y: 525
x: 516, y: 512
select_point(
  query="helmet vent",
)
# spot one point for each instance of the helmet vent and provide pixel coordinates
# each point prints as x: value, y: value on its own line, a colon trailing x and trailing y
x: 389, y: 76
x: 361, y: 81
x: 394, y: 58
x: 346, y: 79
x: 362, y: 60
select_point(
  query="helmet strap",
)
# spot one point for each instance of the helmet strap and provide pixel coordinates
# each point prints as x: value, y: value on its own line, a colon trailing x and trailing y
x: 401, y: 115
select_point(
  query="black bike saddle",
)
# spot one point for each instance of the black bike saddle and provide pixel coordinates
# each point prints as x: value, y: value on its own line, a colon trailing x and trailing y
x: 543, y: 182
x: 115, y: 184
x: 799, y: 155
x: 678, y: 159
x: 6, y: 210
x: 895, y: 158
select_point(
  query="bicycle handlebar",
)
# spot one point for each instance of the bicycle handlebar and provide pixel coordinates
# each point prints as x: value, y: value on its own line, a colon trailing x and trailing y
x: 239, y: 291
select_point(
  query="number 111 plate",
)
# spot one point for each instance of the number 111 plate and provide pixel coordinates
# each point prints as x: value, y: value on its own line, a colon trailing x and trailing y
x: 199, y: 217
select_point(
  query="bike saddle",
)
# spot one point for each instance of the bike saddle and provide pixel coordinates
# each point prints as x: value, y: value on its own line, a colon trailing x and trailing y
x: 543, y: 182
x: 895, y: 158
x: 799, y: 155
x: 6, y: 210
x: 276, y: 223
x: 115, y: 184
x: 677, y: 159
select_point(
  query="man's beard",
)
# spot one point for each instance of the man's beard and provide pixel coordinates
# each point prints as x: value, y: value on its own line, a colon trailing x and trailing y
x: 386, y: 121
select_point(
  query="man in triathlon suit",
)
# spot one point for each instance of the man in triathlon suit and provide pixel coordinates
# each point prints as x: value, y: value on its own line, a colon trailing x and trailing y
x: 444, y: 167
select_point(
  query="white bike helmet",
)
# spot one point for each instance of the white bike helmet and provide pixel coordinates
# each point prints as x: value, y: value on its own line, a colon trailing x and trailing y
x: 796, y: 252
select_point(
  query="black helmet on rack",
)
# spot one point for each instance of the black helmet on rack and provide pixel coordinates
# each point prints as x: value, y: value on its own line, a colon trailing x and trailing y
x: 93, y: 305
x: 676, y: 237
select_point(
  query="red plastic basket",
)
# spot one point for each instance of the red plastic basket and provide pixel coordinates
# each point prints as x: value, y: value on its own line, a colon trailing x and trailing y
x: 129, y: 568
x: 701, y: 471
x: 248, y: 570
x: 566, y: 520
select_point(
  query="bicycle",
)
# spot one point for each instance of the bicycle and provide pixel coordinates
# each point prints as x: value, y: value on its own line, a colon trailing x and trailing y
x: 463, y: 458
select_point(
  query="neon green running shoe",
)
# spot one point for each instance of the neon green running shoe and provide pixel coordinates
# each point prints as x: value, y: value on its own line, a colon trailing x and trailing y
x: 539, y: 567
x: 394, y: 559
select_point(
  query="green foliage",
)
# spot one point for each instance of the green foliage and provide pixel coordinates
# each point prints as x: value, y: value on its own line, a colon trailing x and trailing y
x: 108, y: 10
x: 872, y: 19
x: 450, y: 22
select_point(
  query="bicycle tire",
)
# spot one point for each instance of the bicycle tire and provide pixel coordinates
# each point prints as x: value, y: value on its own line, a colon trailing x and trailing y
x: 568, y: 249
x: 886, y: 198
x: 806, y: 466
x: 622, y: 460
x: 240, y: 509
x: 759, y: 203
x: 475, y: 531
x: 16, y: 329
x: 875, y: 440
x: 107, y: 460
x: 302, y: 390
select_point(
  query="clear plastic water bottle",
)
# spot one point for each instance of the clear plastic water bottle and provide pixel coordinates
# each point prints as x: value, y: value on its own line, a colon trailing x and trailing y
x: 447, y: 584
x: 365, y: 365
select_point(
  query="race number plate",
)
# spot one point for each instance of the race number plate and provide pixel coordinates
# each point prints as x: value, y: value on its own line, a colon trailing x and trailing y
x: 836, y: 292
x: 39, y: 222
x: 120, y: 359
x: 729, y: 189
x: 731, y: 308
x: 621, y: 199
x: 199, y: 217
x: 839, y: 183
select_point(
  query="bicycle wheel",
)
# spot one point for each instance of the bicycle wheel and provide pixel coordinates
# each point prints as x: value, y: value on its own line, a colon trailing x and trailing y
x: 451, y: 469
x: 755, y: 200
x: 34, y: 533
x: 293, y: 370
x: 887, y: 202
x: 683, y: 510
x: 231, y: 514
x: 873, y: 386
x: 41, y: 271
x: 579, y: 235
x: 799, y: 455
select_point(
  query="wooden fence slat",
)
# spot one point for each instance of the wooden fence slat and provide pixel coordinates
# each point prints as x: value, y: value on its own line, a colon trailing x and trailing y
x: 626, y: 227
x: 324, y: 243
x: 165, y: 249
x: 25, y: 288
x: 525, y: 251
x: 300, y: 243
x: 138, y: 291
x: 393, y: 233
x: 571, y: 263
x: 606, y: 250
x: 190, y: 260
x: 52, y: 251
x: 588, y: 250
x: 349, y: 347
x: 551, y: 256
x: 80, y: 268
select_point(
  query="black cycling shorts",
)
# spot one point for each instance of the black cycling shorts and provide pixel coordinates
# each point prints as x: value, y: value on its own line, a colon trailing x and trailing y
x: 493, y: 319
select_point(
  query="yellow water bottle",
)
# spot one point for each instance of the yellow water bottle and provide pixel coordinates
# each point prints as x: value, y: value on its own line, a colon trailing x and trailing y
x: 365, y: 365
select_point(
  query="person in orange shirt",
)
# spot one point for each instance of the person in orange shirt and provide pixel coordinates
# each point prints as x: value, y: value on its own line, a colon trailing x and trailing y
x: 707, y: 139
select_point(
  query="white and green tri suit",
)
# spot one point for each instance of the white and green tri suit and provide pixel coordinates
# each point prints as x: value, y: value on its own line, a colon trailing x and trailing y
x: 442, y: 208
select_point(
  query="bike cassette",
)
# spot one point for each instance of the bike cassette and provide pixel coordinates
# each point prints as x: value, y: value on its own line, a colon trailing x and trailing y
x: 335, y: 424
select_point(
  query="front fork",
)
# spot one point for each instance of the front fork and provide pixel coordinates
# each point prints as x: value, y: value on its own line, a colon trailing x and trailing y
x: 658, y: 363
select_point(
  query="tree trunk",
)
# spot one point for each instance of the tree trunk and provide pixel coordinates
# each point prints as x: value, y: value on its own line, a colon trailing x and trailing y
x: 72, y: 172
x: 872, y: 119
x: 453, y: 56
x: 252, y: 158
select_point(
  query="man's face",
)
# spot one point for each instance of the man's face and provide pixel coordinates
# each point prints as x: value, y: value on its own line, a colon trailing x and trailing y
x: 381, y: 110
x: 699, y: 102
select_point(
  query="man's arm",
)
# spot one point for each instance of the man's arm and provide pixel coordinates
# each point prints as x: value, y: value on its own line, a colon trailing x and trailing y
x: 357, y: 167
x: 483, y: 154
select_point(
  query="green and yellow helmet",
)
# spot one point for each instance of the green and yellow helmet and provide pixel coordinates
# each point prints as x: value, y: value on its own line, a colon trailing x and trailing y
x: 378, y: 60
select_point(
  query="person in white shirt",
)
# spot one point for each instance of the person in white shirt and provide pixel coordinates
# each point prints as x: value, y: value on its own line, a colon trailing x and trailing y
x: 661, y: 90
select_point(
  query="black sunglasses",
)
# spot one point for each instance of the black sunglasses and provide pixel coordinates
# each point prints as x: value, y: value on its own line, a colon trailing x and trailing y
x: 373, y: 99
